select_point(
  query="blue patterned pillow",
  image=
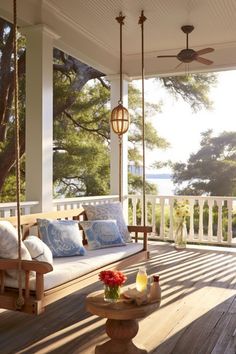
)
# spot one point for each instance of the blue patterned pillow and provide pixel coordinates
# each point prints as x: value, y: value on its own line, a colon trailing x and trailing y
x: 63, y: 237
x: 109, y: 211
x: 102, y: 234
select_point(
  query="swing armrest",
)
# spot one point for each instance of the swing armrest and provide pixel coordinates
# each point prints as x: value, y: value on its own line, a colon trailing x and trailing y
x: 142, y: 229
x: 38, y: 267
x: 139, y: 228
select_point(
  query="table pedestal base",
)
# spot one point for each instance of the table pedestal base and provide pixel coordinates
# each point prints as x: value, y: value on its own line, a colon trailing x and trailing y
x: 121, y: 333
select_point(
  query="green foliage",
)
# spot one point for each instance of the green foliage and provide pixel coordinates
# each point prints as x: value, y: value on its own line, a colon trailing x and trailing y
x: 136, y: 185
x: 158, y: 219
x: 81, y: 122
x: 152, y: 139
x: 212, y: 169
x: 193, y: 89
x: 8, y: 193
x: 81, y: 157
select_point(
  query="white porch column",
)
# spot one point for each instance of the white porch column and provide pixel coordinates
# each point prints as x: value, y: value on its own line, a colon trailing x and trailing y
x: 114, y: 162
x: 39, y: 116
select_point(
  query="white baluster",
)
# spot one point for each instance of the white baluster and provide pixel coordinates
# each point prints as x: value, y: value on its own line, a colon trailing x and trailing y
x: 146, y: 209
x: 191, y: 225
x: 26, y: 210
x: 12, y: 212
x: 134, y: 208
x: 200, y: 231
x: 153, y: 214
x: 210, y: 220
x: 219, y: 224
x: 7, y: 213
x: 171, y: 208
x: 141, y: 206
x: 230, y: 232
x: 162, y: 224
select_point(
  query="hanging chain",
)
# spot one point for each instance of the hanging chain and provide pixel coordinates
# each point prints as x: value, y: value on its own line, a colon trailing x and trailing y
x: 120, y: 19
x: 20, y: 299
x: 142, y: 19
x: 120, y: 167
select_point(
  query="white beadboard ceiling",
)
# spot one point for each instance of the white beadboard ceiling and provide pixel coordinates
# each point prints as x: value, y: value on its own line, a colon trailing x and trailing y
x: 87, y: 29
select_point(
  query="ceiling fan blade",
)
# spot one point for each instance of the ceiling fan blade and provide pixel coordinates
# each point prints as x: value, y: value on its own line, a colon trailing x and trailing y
x: 205, y: 51
x: 167, y: 56
x: 204, y: 61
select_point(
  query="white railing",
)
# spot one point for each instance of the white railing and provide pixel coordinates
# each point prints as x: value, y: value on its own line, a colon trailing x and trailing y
x: 9, y: 209
x: 74, y: 203
x: 210, y: 219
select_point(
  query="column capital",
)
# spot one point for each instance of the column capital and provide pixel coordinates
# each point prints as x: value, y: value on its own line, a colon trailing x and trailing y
x: 39, y: 28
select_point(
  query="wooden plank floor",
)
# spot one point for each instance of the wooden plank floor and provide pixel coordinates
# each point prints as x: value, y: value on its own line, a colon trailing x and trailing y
x: 197, y: 314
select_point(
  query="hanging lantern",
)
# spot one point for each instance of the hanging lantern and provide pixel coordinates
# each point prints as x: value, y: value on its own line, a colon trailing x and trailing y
x: 120, y: 119
x: 120, y: 115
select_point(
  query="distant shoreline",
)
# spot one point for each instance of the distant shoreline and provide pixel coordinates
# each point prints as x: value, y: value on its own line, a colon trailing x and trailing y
x: 158, y: 175
x: 163, y: 182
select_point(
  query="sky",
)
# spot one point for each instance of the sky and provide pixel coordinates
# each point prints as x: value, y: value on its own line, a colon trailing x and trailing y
x: 181, y: 127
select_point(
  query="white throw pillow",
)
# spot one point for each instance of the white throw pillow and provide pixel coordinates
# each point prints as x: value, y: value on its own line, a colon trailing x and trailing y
x: 9, y: 245
x: 109, y: 211
x: 38, y: 250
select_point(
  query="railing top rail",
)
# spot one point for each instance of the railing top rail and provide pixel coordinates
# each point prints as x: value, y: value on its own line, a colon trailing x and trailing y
x: 13, y: 204
x: 194, y: 197
x: 77, y: 199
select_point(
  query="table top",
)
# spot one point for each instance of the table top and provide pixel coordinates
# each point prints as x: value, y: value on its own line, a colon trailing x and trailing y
x: 119, y: 310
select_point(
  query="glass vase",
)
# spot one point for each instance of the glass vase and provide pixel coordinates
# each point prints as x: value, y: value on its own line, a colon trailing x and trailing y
x: 111, y: 293
x: 181, y: 236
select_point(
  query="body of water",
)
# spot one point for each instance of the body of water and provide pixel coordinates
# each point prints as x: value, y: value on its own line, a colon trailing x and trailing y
x: 164, y: 185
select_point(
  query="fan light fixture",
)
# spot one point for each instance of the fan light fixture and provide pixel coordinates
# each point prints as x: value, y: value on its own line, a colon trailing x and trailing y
x: 188, y: 55
x: 120, y: 115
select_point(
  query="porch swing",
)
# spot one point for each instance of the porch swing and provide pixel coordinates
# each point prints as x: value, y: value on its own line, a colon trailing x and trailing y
x: 32, y: 294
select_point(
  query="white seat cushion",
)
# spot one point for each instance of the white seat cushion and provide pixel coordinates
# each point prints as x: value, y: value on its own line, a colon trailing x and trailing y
x: 69, y: 268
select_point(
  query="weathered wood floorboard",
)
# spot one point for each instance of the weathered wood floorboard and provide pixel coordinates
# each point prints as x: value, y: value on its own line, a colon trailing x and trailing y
x: 197, y: 314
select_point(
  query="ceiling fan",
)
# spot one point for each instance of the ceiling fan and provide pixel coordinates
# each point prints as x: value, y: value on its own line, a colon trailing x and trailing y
x: 188, y: 55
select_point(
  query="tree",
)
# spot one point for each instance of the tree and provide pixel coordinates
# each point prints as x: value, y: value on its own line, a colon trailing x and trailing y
x: 81, y: 143
x: 77, y: 118
x: 193, y: 89
x: 90, y: 141
x: 66, y: 66
x: 212, y: 169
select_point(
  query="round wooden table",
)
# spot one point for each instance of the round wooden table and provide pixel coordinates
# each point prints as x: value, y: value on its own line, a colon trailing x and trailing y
x: 121, y: 324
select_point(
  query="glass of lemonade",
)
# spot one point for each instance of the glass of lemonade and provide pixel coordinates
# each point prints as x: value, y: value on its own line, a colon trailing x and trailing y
x: 141, y: 279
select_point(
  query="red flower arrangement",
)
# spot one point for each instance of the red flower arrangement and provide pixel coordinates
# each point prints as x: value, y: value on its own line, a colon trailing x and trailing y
x: 112, y: 278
